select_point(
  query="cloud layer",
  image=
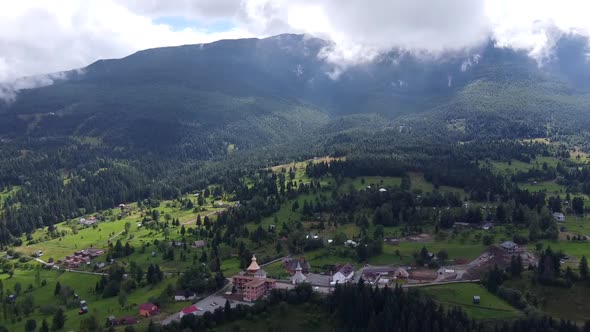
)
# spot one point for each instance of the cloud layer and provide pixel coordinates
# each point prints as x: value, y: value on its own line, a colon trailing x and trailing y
x: 38, y: 36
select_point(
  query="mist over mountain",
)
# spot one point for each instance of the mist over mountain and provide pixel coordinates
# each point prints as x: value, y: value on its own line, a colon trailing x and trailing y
x: 254, y: 92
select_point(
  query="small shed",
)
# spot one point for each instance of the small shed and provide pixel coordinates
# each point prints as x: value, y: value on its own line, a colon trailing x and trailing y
x: 476, y: 299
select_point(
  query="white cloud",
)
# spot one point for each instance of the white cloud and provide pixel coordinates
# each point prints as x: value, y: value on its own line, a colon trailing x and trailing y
x: 39, y: 36
x: 42, y: 37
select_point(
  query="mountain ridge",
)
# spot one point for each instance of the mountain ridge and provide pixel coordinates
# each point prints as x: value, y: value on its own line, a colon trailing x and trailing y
x: 253, y: 92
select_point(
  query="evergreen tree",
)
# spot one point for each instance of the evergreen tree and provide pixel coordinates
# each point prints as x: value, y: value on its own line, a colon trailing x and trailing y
x: 59, y: 319
x: 44, y: 326
x: 57, y: 289
x: 584, y: 274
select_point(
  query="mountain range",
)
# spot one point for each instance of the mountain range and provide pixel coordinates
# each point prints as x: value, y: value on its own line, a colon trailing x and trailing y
x: 207, y: 99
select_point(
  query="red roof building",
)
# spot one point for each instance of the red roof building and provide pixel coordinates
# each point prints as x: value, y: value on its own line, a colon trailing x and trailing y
x: 148, y: 309
x: 189, y: 311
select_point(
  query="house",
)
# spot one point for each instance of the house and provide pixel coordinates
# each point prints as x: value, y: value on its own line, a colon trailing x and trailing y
x: 391, y: 241
x: 401, y: 273
x: 298, y: 277
x: 350, y: 243
x: 461, y: 225
x: 372, y: 274
x: 558, y: 216
x: 185, y: 296
x: 148, y: 309
x: 342, y: 274
x: 199, y: 244
x: 175, y: 243
x: 487, y: 226
x: 509, y: 246
x: 291, y: 265
x: 188, y: 311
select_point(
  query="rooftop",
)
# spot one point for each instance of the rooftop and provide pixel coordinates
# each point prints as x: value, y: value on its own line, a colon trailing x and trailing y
x: 255, y: 283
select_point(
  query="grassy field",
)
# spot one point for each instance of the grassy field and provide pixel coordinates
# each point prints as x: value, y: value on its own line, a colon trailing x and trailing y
x: 295, y: 318
x: 577, y: 224
x: 6, y: 193
x: 570, y: 248
x: 373, y: 181
x: 515, y: 166
x: 455, y: 249
x: 566, y: 303
x: 461, y: 295
x: 113, y: 229
x: 84, y: 287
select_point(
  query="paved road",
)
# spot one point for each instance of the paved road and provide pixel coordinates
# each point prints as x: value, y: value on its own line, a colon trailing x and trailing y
x: 276, y: 260
x: 208, y: 304
x: 441, y: 283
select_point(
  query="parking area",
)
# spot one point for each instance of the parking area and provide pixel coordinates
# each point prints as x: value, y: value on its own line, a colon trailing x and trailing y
x: 211, y: 303
x: 208, y: 304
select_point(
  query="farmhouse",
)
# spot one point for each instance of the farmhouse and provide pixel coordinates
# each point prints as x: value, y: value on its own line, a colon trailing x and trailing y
x: 509, y: 246
x: 185, y: 296
x: 487, y: 226
x: 342, y: 274
x: 199, y: 244
x: 148, y: 310
x: 88, y: 222
x: 558, y: 216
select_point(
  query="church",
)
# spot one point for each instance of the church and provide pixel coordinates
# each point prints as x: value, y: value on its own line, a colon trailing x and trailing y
x: 253, y: 283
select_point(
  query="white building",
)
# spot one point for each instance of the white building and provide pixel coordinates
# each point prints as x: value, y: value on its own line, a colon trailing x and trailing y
x: 558, y: 216
x: 342, y: 274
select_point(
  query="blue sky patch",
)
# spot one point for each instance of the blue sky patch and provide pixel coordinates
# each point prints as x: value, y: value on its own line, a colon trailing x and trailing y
x: 180, y: 23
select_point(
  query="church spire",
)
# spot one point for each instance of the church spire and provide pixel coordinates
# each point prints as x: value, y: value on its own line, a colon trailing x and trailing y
x: 253, y: 266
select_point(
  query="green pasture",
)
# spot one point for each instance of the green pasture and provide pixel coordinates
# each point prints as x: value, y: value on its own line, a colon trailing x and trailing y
x: 558, y: 302
x: 83, y: 285
x: 461, y: 295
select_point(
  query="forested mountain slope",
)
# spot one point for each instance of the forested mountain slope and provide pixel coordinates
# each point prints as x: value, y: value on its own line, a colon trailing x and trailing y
x: 170, y: 120
x: 198, y: 100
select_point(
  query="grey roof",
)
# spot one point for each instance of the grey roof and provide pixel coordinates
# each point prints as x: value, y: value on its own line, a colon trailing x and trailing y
x: 345, y: 269
x: 260, y: 273
x: 292, y: 264
x: 298, y: 277
x: 379, y: 269
x: 509, y: 245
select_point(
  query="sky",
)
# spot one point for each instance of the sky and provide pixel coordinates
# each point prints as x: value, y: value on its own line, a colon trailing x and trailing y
x: 43, y: 36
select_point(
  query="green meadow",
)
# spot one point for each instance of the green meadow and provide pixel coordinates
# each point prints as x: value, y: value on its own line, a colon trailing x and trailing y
x: 83, y: 285
x: 461, y: 295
